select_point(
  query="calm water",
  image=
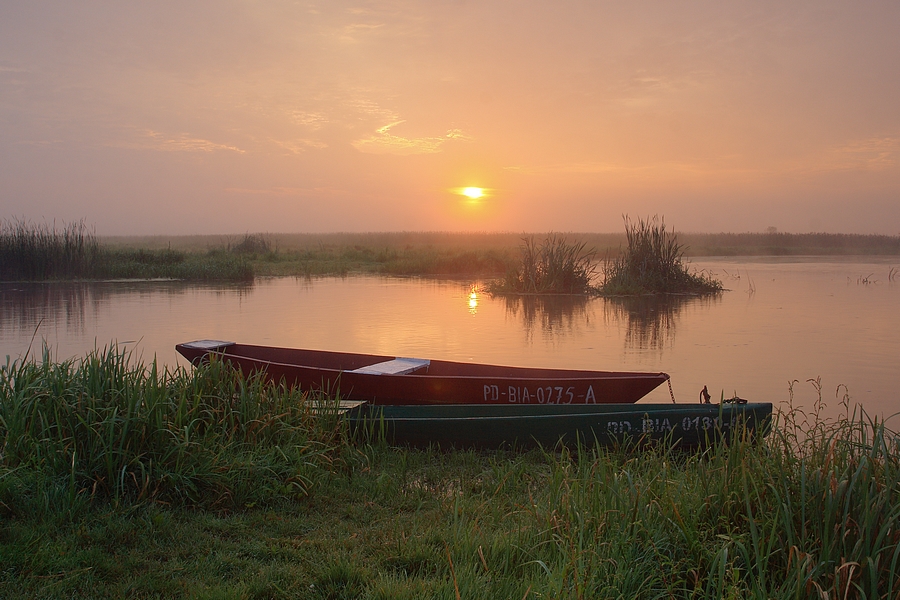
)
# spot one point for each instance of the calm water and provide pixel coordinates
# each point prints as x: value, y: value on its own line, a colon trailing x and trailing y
x: 783, y: 320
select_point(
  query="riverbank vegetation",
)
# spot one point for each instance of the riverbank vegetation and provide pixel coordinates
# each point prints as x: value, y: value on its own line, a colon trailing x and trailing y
x: 653, y: 263
x: 120, y: 479
x: 554, y: 266
x: 46, y: 252
x: 488, y: 255
x: 31, y: 252
x: 39, y: 252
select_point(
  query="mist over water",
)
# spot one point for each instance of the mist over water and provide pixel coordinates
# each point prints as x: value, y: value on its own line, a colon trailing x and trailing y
x: 782, y: 323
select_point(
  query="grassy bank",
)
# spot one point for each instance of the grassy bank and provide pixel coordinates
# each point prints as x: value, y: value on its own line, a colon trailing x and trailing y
x: 117, y: 479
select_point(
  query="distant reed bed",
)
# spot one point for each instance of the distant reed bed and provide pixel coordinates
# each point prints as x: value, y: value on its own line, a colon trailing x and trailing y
x: 694, y: 244
x: 36, y: 252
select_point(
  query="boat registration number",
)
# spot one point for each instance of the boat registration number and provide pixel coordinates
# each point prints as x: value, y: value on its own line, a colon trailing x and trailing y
x: 540, y: 395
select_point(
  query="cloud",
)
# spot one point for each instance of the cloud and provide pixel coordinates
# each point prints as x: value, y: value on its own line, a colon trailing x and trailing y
x: 872, y: 154
x: 384, y: 142
x: 311, y: 120
x: 353, y: 32
x: 299, y: 145
x: 182, y: 142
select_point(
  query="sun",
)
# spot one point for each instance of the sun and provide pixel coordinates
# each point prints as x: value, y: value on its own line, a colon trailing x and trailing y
x: 472, y: 195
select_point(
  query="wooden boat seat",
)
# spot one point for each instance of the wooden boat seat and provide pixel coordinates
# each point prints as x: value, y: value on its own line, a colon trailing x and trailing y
x: 208, y: 344
x: 397, y: 366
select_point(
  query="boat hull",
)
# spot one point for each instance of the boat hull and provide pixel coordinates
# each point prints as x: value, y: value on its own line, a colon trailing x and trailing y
x: 681, y: 425
x: 439, y: 382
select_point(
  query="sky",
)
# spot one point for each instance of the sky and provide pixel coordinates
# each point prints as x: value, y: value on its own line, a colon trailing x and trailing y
x: 232, y: 116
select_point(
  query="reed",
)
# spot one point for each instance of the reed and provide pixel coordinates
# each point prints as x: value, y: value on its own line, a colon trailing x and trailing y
x: 554, y: 266
x: 652, y: 263
x: 38, y: 252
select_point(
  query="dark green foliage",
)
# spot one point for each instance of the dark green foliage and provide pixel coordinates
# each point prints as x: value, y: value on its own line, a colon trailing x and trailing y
x: 553, y: 267
x: 652, y: 263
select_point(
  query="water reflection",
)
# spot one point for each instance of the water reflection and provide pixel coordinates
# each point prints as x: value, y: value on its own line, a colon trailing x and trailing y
x: 473, y: 300
x: 651, y: 321
x: 553, y: 316
x: 25, y: 306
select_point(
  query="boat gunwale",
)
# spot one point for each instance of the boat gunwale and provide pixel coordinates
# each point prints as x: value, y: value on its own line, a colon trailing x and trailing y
x: 559, y: 374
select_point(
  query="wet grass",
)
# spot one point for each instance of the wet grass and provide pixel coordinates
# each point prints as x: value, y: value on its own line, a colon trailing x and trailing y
x: 117, y: 480
x: 652, y: 263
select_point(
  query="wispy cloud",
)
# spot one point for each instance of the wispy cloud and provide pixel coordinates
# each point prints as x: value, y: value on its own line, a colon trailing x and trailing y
x: 311, y: 120
x: 298, y: 146
x: 181, y: 142
x: 872, y: 154
x: 353, y: 32
x: 384, y: 142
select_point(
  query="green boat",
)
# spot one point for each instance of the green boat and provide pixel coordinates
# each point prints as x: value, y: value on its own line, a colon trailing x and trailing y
x: 522, y: 425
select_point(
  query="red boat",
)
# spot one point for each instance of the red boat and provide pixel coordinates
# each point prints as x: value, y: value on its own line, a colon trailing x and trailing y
x: 396, y: 380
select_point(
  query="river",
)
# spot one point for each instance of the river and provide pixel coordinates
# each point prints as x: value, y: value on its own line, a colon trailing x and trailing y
x: 784, y: 323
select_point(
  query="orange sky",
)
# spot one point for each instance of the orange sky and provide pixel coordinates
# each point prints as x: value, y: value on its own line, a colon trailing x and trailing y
x: 243, y: 116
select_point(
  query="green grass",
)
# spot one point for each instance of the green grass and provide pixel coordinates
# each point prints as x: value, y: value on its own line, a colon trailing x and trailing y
x: 215, y: 265
x: 105, y: 428
x: 652, y: 263
x: 121, y: 480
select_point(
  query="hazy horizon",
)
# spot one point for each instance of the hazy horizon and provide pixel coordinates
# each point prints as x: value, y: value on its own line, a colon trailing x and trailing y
x: 221, y: 118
